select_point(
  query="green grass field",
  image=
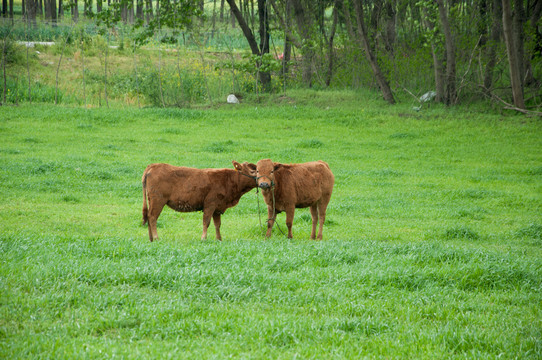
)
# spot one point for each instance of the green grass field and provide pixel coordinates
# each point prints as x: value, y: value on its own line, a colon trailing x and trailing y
x: 432, y: 246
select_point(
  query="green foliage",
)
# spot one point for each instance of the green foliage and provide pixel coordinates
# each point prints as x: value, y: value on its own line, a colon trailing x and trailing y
x: 177, y: 89
x: 11, y: 53
x: 252, y: 64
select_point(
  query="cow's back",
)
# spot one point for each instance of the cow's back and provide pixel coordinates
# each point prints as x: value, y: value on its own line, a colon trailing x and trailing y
x: 305, y: 183
x: 183, y: 188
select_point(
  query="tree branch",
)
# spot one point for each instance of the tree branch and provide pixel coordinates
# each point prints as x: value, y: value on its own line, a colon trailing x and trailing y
x: 291, y: 37
x: 244, y: 26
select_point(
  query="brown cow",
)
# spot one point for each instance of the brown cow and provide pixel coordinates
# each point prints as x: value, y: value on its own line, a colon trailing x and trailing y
x: 286, y: 187
x: 187, y: 189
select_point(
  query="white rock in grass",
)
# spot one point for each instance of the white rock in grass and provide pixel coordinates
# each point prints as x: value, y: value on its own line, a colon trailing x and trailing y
x: 232, y: 99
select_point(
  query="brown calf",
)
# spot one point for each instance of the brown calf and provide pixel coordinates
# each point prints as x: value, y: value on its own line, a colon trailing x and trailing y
x: 187, y: 189
x: 286, y: 187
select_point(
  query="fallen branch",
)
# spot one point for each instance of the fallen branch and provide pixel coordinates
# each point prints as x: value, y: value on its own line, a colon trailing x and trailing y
x: 509, y: 106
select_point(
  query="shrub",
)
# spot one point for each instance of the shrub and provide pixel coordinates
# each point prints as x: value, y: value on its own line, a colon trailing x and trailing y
x: 15, y: 54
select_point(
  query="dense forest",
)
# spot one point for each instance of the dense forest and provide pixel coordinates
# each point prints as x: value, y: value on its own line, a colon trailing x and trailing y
x: 450, y: 50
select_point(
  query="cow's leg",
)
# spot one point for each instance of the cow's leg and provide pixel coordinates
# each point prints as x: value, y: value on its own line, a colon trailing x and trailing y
x: 290, y: 220
x: 155, y: 208
x: 216, y: 220
x: 322, y: 206
x: 271, y: 216
x: 314, y: 216
x: 207, y: 214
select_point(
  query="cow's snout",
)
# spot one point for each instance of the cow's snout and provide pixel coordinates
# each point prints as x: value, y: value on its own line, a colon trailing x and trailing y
x: 264, y: 185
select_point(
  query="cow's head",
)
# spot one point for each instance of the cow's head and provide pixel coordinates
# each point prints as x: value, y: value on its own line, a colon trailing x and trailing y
x: 266, y: 173
x: 247, y: 169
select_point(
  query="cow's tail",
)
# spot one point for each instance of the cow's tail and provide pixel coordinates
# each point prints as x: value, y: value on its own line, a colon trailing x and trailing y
x: 145, y: 208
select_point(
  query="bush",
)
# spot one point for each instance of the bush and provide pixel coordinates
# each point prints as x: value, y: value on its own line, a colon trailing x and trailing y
x: 14, y: 53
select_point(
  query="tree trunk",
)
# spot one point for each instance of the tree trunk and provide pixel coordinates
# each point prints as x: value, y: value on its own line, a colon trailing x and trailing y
x: 331, y: 54
x: 47, y: 8
x: 287, y: 52
x: 518, y: 20
x: 511, y: 49
x: 265, y: 76
x: 363, y: 40
x: 31, y: 7
x: 52, y: 10
x: 536, y: 40
x: 494, y: 38
x: 304, y: 22
x: 213, y: 20
x: 232, y: 17
x: 389, y: 37
x: 124, y: 11
x: 450, y: 88
x: 87, y: 12
x: 244, y: 27
x: 75, y: 11
x: 139, y: 9
x: 148, y: 8
x: 438, y: 66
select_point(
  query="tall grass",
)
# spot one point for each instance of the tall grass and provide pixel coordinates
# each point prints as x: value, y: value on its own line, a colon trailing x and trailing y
x: 431, y: 245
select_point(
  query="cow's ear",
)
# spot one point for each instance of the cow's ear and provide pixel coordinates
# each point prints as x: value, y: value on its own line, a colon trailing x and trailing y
x: 276, y: 166
x: 236, y: 165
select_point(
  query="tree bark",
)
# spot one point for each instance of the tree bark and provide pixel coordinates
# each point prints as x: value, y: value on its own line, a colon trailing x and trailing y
x: 31, y: 7
x: 450, y: 95
x: 47, y: 10
x: 513, y: 61
x: 518, y: 21
x: 438, y: 66
x: 363, y: 40
x: 244, y: 27
x: 330, y: 51
x: 390, y: 20
x: 264, y: 77
x: 304, y: 20
x: 494, y: 38
x: 139, y: 9
x: 75, y: 11
x: 52, y: 10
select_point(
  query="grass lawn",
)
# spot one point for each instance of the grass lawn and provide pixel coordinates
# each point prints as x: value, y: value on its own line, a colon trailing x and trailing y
x: 432, y: 246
